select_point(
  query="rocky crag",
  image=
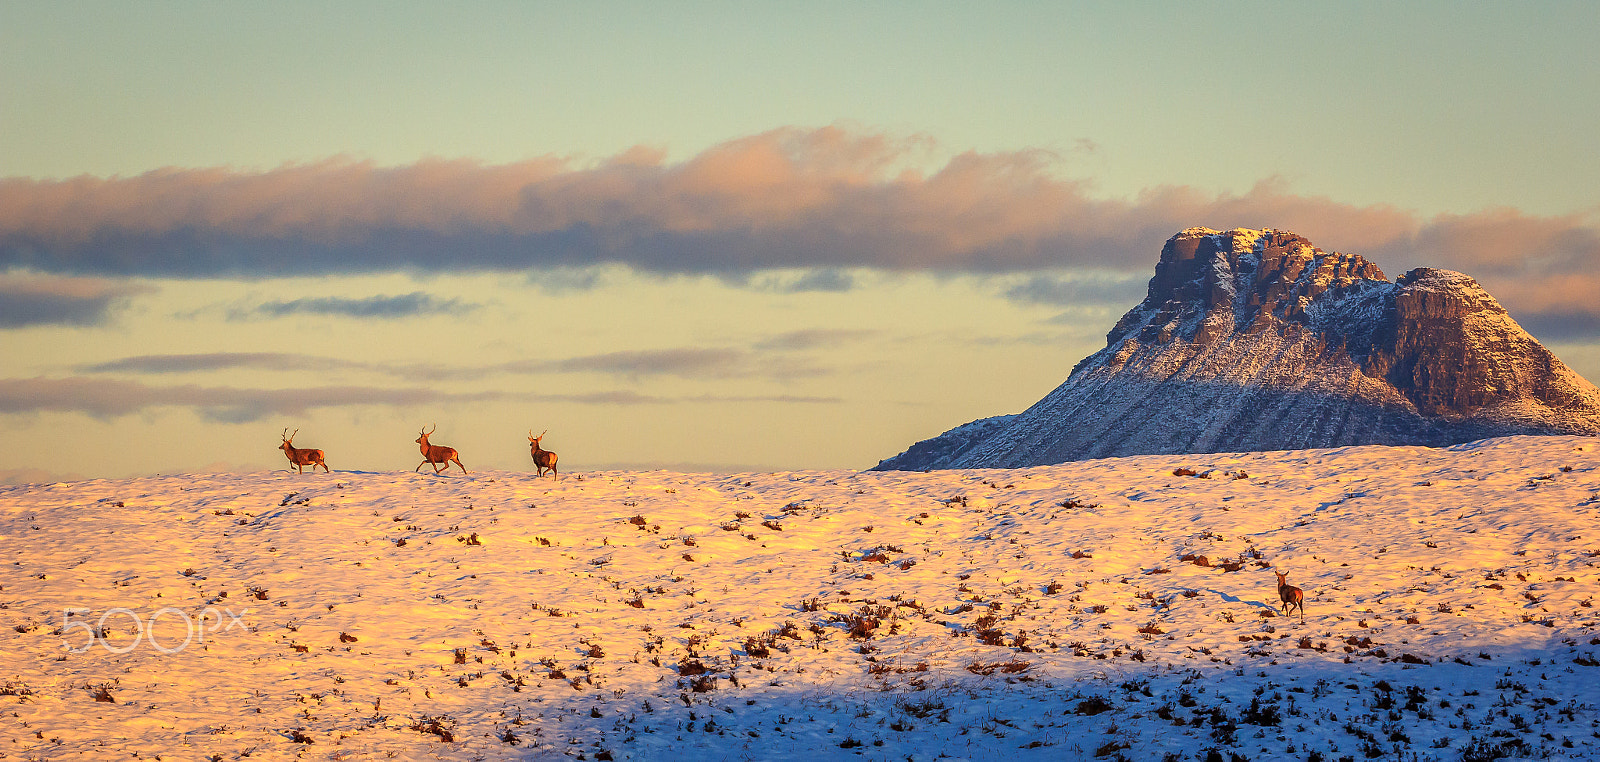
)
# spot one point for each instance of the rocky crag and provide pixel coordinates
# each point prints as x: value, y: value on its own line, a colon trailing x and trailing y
x: 1252, y: 340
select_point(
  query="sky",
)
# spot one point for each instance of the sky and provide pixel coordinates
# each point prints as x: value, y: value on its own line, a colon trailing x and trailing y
x: 715, y: 236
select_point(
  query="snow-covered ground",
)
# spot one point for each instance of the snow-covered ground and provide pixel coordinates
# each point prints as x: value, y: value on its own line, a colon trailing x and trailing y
x: 1046, y: 612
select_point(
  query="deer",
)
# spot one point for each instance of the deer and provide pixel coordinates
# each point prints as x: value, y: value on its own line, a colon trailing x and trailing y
x: 1290, y: 595
x: 542, y: 458
x: 437, y: 454
x: 301, y: 457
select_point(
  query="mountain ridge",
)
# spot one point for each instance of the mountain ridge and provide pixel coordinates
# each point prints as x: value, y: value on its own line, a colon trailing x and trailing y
x: 1257, y: 340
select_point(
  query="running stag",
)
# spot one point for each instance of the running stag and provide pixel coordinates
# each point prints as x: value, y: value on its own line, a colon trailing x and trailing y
x: 436, y: 454
x: 301, y: 457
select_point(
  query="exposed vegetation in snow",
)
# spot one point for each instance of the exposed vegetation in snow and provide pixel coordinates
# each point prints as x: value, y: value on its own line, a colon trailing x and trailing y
x: 1121, y: 608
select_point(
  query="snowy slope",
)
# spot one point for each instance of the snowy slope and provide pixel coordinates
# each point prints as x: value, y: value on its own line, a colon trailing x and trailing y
x: 1046, y: 612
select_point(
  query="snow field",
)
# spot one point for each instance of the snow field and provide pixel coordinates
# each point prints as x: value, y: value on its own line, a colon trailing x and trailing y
x: 1056, y: 612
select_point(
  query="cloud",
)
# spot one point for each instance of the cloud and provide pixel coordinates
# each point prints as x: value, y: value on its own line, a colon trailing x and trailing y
x: 620, y: 397
x: 825, y: 198
x: 1578, y: 325
x: 1503, y: 242
x: 1544, y: 270
x: 562, y: 280
x: 108, y: 398
x: 194, y: 363
x: 787, y: 399
x: 28, y: 300
x: 822, y: 279
x: 287, y: 362
x: 413, y: 304
x: 1091, y: 317
x: 677, y: 362
x: 813, y: 338
x: 1072, y: 289
x: 684, y: 362
x: 820, y: 200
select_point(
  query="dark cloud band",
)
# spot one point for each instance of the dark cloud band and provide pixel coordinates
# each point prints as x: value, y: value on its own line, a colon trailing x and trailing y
x: 789, y: 198
x: 823, y: 200
x: 1079, y: 289
x: 764, y: 358
x: 414, y: 304
x: 29, y: 301
x: 211, y: 361
x: 110, y: 398
x: 1576, y: 325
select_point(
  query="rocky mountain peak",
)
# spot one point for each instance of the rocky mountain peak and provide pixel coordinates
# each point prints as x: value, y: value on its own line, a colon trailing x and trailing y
x: 1209, y: 284
x: 1259, y: 340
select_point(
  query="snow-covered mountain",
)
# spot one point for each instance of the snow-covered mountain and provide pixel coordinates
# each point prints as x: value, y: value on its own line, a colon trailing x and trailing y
x: 1258, y: 340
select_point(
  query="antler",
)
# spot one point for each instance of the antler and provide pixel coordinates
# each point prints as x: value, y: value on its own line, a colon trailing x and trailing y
x: 286, y: 436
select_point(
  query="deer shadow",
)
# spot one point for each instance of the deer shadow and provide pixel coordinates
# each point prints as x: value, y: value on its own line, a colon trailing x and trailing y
x: 1237, y: 599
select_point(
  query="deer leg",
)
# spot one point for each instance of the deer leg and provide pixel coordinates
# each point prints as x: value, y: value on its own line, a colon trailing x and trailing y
x: 419, y: 466
x: 458, y: 462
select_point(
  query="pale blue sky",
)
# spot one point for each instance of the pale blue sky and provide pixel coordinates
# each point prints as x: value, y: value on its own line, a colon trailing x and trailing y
x: 1056, y: 141
x: 1437, y: 107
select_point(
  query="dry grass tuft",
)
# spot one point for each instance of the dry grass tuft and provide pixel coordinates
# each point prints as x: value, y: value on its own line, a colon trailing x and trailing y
x: 441, y: 726
x: 1013, y: 667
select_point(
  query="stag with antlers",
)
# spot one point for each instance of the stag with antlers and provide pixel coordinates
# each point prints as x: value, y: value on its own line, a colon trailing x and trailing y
x: 301, y: 457
x: 543, y: 459
x: 436, y: 454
